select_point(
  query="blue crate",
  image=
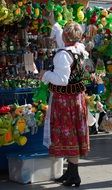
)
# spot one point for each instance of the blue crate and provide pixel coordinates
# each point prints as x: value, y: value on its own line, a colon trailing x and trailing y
x: 34, y: 145
x: 18, y: 95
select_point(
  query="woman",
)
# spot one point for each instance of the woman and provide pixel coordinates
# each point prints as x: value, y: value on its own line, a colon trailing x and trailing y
x: 68, y: 125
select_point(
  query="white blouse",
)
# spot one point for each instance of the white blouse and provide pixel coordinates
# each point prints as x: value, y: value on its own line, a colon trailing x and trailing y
x: 56, y: 34
x: 62, y: 62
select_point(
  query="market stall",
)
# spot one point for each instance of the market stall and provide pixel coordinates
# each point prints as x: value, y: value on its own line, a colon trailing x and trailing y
x: 26, y: 48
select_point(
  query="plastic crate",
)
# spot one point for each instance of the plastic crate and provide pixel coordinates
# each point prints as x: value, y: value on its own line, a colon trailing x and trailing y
x: 34, y: 168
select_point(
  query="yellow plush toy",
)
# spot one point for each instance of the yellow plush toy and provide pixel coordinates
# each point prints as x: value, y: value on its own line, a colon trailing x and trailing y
x: 94, y: 103
x: 91, y: 102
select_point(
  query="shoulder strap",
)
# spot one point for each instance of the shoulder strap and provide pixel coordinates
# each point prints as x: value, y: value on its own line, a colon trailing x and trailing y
x: 68, y: 51
x: 73, y: 55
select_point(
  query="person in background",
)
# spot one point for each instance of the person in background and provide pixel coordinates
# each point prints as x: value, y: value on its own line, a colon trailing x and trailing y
x: 69, y: 133
x: 48, y: 62
x: 56, y: 32
x: 39, y: 62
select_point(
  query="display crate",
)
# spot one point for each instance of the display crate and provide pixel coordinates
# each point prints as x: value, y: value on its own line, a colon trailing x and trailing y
x: 34, y: 168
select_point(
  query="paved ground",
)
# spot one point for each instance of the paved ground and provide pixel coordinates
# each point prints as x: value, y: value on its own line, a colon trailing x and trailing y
x: 95, y: 170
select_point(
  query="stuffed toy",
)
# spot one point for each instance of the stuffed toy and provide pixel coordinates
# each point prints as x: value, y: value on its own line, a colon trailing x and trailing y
x: 94, y: 103
x: 6, y: 131
x: 40, y: 101
x: 29, y: 115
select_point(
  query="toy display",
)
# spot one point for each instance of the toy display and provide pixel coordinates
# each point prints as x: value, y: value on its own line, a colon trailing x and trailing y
x: 25, y: 30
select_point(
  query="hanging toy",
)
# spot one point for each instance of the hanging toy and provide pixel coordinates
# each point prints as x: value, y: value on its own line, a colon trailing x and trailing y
x: 58, y: 13
x: 36, y: 10
x: 103, y: 21
x: 50, y: 6
x: 80, y: 13
x: 93, y: 19
x: 104, y: 13
x: 3, y: 11
x: 109, y: 22
x: 28, y: 9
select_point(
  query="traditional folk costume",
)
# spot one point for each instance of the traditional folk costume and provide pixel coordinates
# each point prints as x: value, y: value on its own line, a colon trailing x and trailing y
x: 69, y: 135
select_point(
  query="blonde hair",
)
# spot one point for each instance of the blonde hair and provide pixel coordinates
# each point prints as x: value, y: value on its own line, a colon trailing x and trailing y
x: 72, y: 32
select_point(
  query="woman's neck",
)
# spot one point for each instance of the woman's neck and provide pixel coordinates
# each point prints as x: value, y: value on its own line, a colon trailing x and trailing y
x: 69, y: 44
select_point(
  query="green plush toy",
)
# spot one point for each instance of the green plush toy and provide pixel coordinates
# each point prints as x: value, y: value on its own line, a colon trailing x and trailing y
x: 6, y: 131
x: 40, y: 101
x: 41, y: 93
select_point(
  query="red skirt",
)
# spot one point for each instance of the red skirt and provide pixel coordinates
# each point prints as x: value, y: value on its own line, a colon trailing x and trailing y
x: 69, y: 131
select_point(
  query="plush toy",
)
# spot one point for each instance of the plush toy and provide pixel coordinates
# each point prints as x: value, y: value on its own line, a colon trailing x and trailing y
x: 94, y: 103
x: 67, y: 14
x: 41, y: 94
x: 109, y: 21
x: 3, y: 11
x: 40, y: 101
x: 6, y: 130
x: 36, y: 10
x: 91, y: 102
x: 80, y: 13
x: 29, y: 115
x: 4, y: 109
x: 19, y: 110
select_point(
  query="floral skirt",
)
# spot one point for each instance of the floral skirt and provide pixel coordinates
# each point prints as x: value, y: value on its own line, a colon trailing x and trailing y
x: 68, y: 123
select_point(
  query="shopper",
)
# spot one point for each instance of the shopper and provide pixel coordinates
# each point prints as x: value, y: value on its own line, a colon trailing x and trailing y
x: 68, y: 125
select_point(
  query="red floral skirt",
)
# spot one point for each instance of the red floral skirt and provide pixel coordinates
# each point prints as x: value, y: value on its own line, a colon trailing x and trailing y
x: 69, y: 131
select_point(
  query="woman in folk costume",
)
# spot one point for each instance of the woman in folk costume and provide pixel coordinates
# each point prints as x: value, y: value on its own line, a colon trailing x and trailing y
x: 68, y: 119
